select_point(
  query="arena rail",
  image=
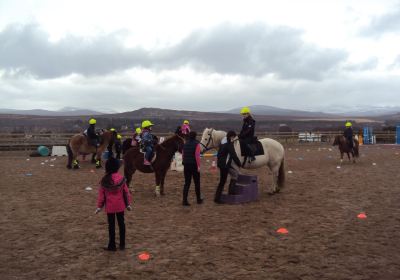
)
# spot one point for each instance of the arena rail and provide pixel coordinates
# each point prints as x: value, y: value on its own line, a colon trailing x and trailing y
x: 30, y: 141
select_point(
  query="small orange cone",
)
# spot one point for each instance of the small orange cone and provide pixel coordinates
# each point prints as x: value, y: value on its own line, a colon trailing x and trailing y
x: 362, y: 215
x: 282, y: 231
x: 144, y: 256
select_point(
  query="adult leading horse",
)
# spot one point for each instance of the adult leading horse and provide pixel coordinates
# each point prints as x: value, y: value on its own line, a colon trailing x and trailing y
x: 78, y: 144
x: 273, y: 157
x: 133, y: 160
x: 341, y: 141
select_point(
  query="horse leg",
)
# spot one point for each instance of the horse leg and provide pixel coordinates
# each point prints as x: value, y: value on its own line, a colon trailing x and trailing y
x: 93, y: 158
x: 98, y: 159
x: 158, y: 182
x: 274, y: 180
x: 129, y: 170
x: 162, y: 183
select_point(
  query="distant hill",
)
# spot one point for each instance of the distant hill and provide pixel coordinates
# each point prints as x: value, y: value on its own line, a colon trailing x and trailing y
x: 67, y: 111
x: 265, y: 110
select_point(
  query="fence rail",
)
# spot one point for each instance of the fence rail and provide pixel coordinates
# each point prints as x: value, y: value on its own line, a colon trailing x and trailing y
x: 30, y: 141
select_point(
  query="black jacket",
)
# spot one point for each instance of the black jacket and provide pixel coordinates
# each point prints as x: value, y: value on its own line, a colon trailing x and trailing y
x: 348, y: 133
x: 227, y: 150
x: 189, y: 153
x: 91, y: 132
x: 248, y: 128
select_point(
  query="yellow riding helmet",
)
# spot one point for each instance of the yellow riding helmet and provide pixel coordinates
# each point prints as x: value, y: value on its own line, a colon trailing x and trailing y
x: 138, y: 130
x: 112, y: 129
x: 92, y: 121
x: 146, y: 123
x: 348, y: 124
x: 119, y: 136
x: 185, y: 122
x: 245, y: 110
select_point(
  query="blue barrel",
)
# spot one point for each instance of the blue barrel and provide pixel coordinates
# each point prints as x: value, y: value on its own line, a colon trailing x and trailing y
x: 368, y: 135
x: 43, y: 151
x: 398, y: 134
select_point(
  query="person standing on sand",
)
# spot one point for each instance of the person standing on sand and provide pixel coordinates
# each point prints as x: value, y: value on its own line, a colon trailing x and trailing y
x: 226, y: 153
x: 115, y: 196
x: 191, y: 164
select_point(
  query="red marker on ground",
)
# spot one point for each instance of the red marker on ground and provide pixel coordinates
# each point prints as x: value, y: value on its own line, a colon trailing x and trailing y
x: 362, y: 215
x: 282, y: 231
x: 144, y: 256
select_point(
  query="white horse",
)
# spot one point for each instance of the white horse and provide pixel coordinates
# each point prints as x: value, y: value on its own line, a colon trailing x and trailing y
x: 274, y: 155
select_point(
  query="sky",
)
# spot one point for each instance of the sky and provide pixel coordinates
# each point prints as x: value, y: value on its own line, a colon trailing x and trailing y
x: 122, y: 55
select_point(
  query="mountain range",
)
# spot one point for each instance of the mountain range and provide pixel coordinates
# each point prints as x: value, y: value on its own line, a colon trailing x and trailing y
x: 261, y: 110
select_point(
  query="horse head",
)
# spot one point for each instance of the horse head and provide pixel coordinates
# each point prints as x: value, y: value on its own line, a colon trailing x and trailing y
x: 207, y: 140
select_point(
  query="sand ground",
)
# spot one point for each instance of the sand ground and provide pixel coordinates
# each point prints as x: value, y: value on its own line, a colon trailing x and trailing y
x: 49, y: 230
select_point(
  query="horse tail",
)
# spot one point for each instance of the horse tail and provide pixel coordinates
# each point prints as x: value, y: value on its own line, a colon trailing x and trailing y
x: 70, y: 155
x: 281, y: 175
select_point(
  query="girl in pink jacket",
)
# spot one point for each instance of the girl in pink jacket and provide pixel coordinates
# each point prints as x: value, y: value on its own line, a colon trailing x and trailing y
x: 115, y: 196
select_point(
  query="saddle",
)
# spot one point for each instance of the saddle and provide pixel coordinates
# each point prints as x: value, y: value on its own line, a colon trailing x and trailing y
x: 255, y: 146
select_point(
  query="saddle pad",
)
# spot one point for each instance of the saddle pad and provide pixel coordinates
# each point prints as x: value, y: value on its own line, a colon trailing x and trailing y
x: 257, y: 147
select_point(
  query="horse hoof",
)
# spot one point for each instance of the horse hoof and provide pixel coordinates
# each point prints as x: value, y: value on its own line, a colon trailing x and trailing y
x: 98, y: 166
x: 271, y: 193
x: 69, y: 166
x: 76, y: 166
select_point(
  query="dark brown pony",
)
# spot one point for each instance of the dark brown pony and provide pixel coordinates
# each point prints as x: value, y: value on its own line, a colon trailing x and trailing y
x: 78, y: 145
x: 133, y: 160
x: 341, y: 141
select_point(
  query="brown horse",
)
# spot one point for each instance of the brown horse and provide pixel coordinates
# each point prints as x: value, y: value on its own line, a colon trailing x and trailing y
x: 78, y: 144
x: 133, y: 160
x: 341, y: 141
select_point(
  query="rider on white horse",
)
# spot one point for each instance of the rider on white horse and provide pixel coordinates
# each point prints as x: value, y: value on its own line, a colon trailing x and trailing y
x: 247, y: 133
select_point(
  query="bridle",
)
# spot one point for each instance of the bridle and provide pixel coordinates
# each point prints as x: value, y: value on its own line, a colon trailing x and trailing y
x: 210, y: 140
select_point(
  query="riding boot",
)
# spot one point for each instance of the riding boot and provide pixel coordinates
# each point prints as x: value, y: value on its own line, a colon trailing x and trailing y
x: 231, y: 188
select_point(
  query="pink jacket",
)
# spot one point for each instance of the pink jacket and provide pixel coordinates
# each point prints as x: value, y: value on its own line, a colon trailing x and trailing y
x: 115, y: 197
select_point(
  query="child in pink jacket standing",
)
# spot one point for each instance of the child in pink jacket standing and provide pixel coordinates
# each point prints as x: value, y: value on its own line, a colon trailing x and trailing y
x: 115, y: 196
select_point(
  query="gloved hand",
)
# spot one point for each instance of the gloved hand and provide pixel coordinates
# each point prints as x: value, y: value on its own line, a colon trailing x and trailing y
x: 97, y: 210
x: 129, y: 208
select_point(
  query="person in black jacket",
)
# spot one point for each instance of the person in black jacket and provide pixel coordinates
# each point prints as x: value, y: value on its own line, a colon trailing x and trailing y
x: 93, y: 138
x: 191, y: 164
x: 348, y: 134
x: 226, y: 154
x: 247, y: 133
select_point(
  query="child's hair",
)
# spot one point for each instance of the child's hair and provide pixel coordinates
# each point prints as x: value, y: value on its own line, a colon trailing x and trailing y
x: 112, y: 166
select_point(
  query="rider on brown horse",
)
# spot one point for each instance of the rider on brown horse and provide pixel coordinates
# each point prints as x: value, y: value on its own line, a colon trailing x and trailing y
x: 93, y: 138
x: 148, y: 141
x: 348, y: 134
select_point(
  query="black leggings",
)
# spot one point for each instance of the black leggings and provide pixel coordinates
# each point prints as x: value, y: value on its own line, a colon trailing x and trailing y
x: 111, y: 229
x: 189, y: 172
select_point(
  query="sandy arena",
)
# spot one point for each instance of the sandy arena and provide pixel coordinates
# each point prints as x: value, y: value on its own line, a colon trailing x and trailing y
x: 49, y: 230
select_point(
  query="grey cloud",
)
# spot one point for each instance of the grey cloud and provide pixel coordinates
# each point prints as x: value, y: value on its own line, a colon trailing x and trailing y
x: 380, y: 25
x: 253, y: 50
x: 26, y: 49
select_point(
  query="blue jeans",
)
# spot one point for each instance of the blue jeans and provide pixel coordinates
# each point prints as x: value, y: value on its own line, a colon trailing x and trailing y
x: 148, y: 152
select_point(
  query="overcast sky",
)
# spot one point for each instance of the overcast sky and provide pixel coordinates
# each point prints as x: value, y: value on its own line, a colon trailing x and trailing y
x: 199, y: 55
